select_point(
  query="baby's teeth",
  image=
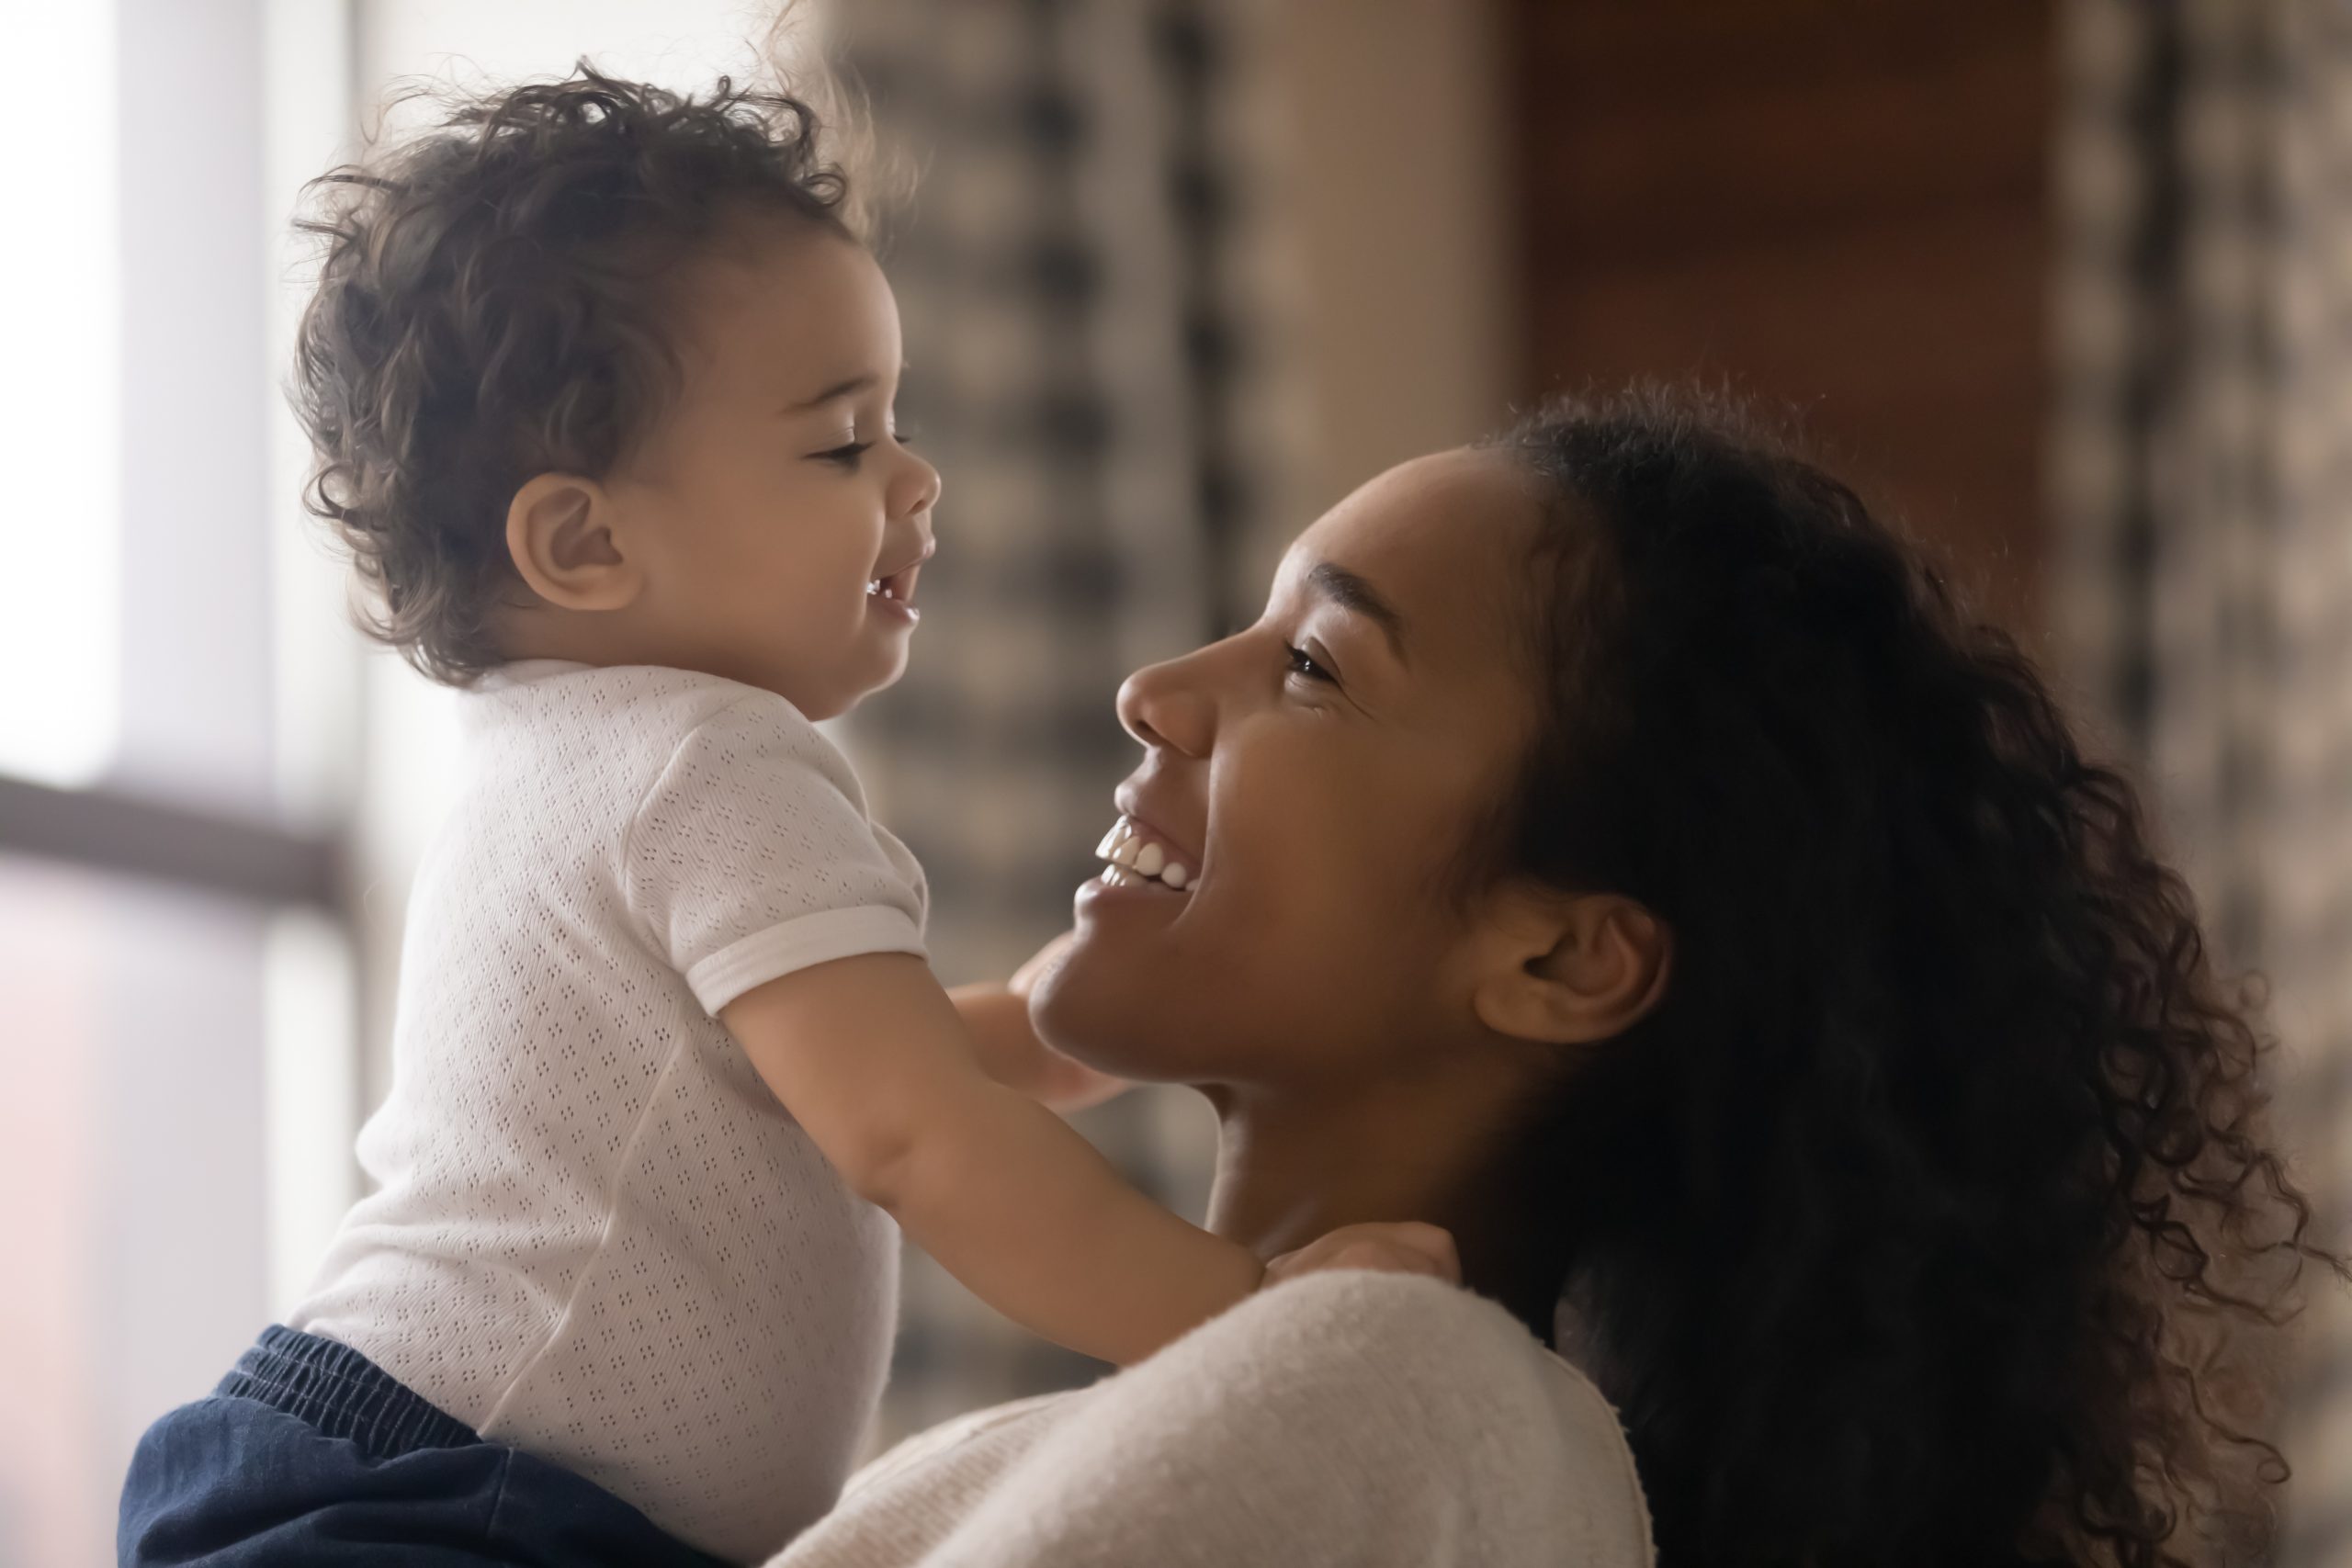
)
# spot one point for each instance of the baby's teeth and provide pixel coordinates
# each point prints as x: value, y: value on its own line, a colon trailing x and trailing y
x: 1175, y: 875
x: 1150, y: 859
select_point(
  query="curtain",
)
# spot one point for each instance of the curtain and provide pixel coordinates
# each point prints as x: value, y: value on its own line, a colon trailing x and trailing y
x: 1089, y: 280
x: 2202, y: 487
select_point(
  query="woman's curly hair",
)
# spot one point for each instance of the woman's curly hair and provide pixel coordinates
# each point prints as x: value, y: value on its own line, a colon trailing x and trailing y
x: 495, y: 301
x: 1930, y: 1218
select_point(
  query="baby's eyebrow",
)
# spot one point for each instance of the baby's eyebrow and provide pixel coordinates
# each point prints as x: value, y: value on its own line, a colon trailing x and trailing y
x: 849, y: 388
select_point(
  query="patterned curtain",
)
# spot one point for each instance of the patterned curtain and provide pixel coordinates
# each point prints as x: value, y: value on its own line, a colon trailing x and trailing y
x: 2202, y: 483
x: 1088, y: 283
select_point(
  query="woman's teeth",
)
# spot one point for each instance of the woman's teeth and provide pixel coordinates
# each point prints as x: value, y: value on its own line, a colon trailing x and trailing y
x: 1136, y: 860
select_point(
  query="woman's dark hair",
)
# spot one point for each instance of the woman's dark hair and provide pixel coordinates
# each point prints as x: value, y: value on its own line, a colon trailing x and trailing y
x: 1931, y: 1217
x: 495, y: 302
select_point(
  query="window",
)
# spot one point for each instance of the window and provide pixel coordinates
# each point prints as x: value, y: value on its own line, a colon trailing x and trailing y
x: 212, y: 790
x: 176, y: 979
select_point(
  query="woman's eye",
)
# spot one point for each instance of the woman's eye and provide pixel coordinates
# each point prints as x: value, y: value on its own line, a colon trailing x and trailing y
x: 846, y: 457
x: 1305, y: 667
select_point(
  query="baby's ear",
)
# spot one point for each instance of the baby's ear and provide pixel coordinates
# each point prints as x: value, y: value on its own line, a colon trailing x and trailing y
x: 561, y: 536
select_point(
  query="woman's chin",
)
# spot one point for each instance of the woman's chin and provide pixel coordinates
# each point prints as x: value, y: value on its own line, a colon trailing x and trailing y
x: 1087, y: 1008
x: 1064, y: 1013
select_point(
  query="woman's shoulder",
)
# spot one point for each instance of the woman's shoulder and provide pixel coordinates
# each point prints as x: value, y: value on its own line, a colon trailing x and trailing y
x: 1340, y: 1417
x: 1351, y: 1304
x: 1456, y: 1357
x: 1416, y: 1383
x: 1418, y: 1328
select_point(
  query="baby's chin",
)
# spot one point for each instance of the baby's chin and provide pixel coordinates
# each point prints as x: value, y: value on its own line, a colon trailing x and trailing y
x: 873, y: 682
x: 835, y: 699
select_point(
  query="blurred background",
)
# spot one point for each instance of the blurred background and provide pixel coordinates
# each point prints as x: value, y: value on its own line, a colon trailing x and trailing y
x: 2067, y: 283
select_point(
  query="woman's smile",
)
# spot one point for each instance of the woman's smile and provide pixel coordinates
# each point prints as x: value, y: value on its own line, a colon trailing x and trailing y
x: 1141, y: 862
x: 1139, y: 852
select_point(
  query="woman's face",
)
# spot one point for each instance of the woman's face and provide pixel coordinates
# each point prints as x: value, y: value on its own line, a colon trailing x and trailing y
x: 1316, y: 777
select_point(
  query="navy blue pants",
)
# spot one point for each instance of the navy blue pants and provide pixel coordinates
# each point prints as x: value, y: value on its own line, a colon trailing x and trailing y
x: 309, y: 1453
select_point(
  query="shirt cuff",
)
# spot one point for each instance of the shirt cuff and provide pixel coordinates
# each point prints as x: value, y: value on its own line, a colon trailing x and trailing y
x: 797, y: 944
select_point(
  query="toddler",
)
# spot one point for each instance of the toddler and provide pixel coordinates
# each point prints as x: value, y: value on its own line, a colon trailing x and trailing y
x: 601, y: 385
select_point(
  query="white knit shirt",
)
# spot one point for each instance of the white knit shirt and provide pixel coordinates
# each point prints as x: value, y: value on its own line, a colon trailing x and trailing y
x: 596, y: 1235
x: 1340, y: 1420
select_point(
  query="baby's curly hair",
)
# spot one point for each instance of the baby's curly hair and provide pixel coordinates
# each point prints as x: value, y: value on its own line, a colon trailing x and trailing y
x: 492, y: 303
x: 1934, y: 1217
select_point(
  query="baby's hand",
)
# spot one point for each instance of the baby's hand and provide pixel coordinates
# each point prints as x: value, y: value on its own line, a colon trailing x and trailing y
x: 1407, y: 1247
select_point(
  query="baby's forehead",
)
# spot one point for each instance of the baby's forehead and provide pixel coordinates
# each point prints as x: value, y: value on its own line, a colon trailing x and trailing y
x: 786, y: 309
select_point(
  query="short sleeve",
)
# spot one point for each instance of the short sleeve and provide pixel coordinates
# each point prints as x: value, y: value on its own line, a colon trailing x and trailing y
x: 753, y: 855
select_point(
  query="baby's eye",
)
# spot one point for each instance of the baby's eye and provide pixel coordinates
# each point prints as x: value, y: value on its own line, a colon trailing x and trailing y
x: 846, y: 457
x: 1305, y: 667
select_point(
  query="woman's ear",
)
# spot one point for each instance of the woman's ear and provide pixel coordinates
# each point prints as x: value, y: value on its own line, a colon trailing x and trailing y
x: 562, y: 535
x: 1568, y: 969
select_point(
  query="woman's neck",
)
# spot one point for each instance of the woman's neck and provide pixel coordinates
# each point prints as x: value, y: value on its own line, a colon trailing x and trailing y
x: 1287, y: 1173
x: 1292, y: 1167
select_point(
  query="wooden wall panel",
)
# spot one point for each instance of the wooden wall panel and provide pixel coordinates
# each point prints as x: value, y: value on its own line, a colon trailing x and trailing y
x: 1838, y: 205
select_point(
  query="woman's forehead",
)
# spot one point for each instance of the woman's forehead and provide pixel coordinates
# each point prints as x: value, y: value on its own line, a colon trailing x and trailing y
x: 1442, y: 538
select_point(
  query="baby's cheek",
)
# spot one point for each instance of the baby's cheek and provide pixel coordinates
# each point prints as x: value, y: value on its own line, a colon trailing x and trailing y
x: 821, y: 622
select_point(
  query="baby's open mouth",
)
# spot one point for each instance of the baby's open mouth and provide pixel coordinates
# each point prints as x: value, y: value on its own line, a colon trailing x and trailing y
x: 1138, y: 859
x: 899, y: 585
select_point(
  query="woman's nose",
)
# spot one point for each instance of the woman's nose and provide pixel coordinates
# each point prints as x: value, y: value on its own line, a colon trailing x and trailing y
x: 1167, y: 706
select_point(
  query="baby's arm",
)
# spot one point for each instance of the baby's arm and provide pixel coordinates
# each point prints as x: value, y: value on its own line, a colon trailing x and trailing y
x: 870, y: 1057
x: 1010, y: 1051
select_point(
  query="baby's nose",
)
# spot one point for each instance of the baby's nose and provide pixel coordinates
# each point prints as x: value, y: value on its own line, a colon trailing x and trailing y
x: 919, y: 491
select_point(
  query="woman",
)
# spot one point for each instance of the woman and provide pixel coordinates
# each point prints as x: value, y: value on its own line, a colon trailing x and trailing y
x: 1615, y: 846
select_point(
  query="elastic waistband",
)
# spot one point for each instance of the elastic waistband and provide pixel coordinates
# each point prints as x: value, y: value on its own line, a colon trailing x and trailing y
x: 342, y: 1394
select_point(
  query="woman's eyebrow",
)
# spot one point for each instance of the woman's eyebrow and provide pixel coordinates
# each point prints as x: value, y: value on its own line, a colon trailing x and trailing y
x: 1352, y: 593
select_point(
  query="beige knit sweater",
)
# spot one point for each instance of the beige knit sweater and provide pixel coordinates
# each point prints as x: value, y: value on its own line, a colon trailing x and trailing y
x: 1341, y: 1418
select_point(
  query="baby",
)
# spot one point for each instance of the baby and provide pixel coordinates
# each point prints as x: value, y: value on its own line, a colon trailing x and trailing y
x: 601, y: 385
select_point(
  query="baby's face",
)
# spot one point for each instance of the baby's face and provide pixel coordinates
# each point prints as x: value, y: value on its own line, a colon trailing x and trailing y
x: 775, y: 493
